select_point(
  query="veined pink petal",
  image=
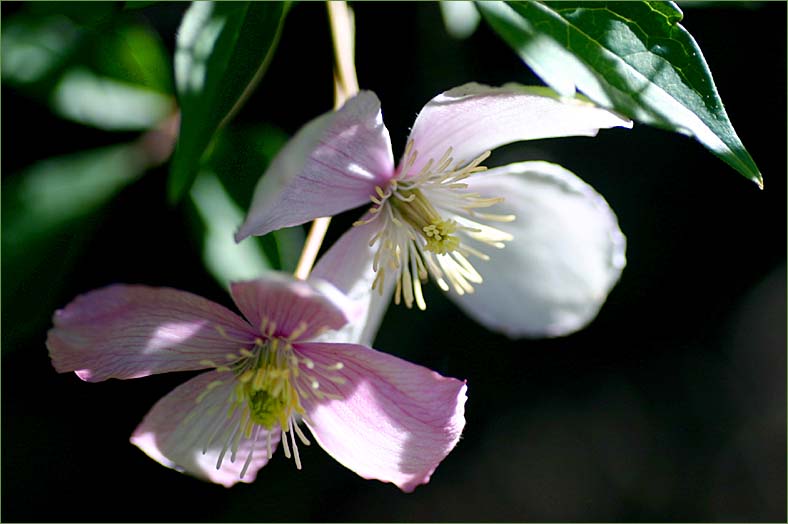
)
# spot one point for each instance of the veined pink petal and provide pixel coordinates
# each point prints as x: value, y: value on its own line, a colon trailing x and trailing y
x: 348, y: 266
x: 567, y: 253
x: 331, y: 165
x: 287, y: 303
x: 179, y: 427
x: 125, y: 331
x: 395, y: 421
x: 475, y: 118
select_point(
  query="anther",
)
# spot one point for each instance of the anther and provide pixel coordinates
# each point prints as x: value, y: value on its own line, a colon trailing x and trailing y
x: 298, y: 331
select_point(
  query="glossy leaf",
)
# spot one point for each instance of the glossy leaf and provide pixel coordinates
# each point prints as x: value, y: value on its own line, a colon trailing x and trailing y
x: 223, y: 49
x: 220, y: 216
x: 134, y: 53
x: 633, y: 57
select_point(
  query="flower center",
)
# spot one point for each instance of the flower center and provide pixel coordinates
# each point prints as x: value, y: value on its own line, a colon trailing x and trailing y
x: 265, y: 385
x: 425, y: 221
x: 417, y: 211
x: 269, y: 379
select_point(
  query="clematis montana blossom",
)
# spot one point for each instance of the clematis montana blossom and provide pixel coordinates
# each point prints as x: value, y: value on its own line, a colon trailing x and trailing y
x: 441, y: 214
x: 380, y: 416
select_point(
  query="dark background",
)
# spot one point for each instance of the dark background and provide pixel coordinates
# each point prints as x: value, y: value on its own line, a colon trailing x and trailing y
x: 669, y: 407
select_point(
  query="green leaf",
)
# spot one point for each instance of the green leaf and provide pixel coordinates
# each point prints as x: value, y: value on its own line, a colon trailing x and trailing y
x: 134, y: 53
x: 108, y: 104
x: 114, y: 77
x: 83, y: 13
x: 34, y: 48
x: 57, y: 191
x: 48, y: 215
x: 239, y: 156
x: 223, y: 49
x: 633, y: 57
x: 220, y: 216
x: 139, y: 4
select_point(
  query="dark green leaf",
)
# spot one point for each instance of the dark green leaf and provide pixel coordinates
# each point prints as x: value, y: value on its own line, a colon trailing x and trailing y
x: 633, y: 57
x: 83, y: 13
x: 223, y: 49
x: 114, y: 77
x: 34, y: 48
x: 138, y: 4
x: 121, y: 82
x: 134, y: 53
x: 223, y: 189
x: 59, y: 190
x: 239, y: 156
x: 48, y: 214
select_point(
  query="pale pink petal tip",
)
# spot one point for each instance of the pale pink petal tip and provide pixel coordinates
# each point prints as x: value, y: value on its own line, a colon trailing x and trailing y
x: 290, y: 306
x: 474, y: 118
x: 177, y: 432
x: 331, y: 165
x: 124, y: 331
x: 393, y: 421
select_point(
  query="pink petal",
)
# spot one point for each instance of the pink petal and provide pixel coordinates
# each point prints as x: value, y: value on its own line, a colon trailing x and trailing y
x: 175, y: 432
x: 287, y: 302
x: 125, y: 331
x: 395, y: 421
x: 348, y: 266
x: 331, y: 165
x: 566, y: 255
x: 475, y: 118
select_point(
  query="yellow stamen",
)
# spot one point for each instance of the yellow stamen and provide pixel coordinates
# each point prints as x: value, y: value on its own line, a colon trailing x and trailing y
x: 416, y: 241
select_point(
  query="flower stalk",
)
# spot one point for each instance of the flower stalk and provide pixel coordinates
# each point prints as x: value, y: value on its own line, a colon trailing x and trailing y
x: 341, y: 21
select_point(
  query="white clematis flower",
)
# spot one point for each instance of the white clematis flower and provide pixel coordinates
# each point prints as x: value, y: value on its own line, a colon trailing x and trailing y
x: 527, y: 249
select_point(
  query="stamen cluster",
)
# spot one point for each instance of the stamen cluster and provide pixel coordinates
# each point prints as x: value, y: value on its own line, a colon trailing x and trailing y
x: 420, y: 218
x: 270, y: 380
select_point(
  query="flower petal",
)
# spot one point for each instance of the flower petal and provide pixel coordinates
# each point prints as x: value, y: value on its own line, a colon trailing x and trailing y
x: 348, y: 266
x: 395, y: 421
x: 475, y: 118
x: 176, y: 430
x: 125, y: 331
x: 567, y: 253
x: 331, y: 165
x: 278, y: 298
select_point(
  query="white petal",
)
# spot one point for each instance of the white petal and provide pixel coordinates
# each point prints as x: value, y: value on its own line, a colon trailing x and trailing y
x: 193, y: 418
x: 331, y: 165
x: 347, y: 265
x: 567, y: 253
x: 475, y: 118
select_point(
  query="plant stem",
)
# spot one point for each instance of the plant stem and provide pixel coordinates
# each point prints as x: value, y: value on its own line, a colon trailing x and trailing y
x: 340, y: 18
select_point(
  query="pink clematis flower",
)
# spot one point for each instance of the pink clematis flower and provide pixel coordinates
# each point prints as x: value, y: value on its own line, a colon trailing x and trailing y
x: 378, y: 415
x: 441, y: 214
